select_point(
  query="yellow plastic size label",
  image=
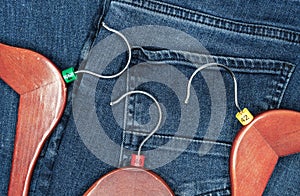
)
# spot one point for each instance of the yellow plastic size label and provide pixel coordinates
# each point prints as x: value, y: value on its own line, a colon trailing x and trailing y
x: 245, y: 117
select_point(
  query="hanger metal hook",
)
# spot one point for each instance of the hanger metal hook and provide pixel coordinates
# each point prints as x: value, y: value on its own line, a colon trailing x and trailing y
x: 158, y: 108
x: 128, y: 61
x: 217, y: 65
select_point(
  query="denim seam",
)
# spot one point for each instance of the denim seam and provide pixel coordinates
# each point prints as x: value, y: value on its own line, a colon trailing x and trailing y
x: 177, y: 138
x: 247, y: 69
x: 280, y: 85
x: 45, y: 164
x: 239, y: 64
x: 95, y: 32
x: 235, y: 68
x: 216, y: 191
x: 209, y: 153
x: 131, y: 135
x: 128, y: 115
x: 274, y: 95
x: 189, y: 151
x: 206, y: 192
x: 43, y: 181
x: 282, y: 70
x: 126, y: 109
x: 213, y: 21
x: 288, y: 75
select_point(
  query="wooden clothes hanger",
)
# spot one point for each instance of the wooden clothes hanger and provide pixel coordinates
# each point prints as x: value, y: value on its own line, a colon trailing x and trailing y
x: 258, y: 145
x: 132, y: 180
x: 42, y: 99
x: 257, y: 148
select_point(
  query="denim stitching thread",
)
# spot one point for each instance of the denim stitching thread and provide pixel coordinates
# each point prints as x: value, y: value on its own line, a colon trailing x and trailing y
x: 209, y: 20
x: 125, y: 119
x: 240, y: 64
x: 177, y: 138
x: 281, y: 69
x: 288, y: 74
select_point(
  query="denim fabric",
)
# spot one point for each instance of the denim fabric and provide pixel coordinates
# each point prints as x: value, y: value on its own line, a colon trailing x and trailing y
x: 9, y: 111
x: 59, y: 30
x: 259, y: 41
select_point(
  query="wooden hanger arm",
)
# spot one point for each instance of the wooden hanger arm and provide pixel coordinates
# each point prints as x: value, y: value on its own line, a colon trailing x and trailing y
x: 258, y: 146
x: 281, y: 130
x: 249, y: 157
x: 25, y: 70
x: 42, y: 99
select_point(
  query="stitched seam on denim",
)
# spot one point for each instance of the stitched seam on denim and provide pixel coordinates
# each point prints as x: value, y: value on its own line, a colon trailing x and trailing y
x: 280, y: 85
x: 177, y: 138
x: 95, y: 32
x: 235, y: 68
x: 129, y: 113
x: 218, y: 180
x: 285, y: 85
x: 132, y: 134
x: 222, y: 186
x: 277, y: 92
x: 210, y: 153
x: 173, y: 55
x: 126, y: 109
x: 226, y: 190
x: 45, y: 164
x: 45, y: 173
x: 271, y: 99
x: 213, y: 21
x: 238, y: 64
x: 280, y: 69
x: 222, y: 183
x: 284, y: 72
x: 272, y: 71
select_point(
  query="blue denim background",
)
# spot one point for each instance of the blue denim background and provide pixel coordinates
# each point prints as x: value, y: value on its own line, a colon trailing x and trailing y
x: 259, y: 41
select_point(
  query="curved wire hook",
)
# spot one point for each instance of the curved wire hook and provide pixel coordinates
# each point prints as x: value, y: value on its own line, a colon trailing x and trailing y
x: 188, y: 92
x: 159, y: 112
x: 128, y: 61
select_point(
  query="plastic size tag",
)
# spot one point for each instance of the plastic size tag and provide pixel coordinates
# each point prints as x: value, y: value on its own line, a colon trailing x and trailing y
x: 137, y: 161
x: 69, y: 75
x: 245, y: 117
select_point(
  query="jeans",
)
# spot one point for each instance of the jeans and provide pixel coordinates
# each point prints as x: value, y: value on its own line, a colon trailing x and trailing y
x: 259, y: 41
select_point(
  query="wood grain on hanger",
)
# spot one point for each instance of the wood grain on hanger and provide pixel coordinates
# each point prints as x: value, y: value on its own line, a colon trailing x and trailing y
x: 42, y: 99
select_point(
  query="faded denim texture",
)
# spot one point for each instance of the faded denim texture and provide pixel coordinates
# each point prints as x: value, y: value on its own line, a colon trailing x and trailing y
x: 258, y: 40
